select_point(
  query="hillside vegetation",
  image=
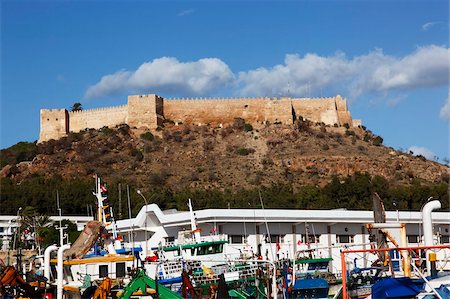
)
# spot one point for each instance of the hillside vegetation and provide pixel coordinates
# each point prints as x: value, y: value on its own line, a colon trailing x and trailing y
x: 306, y: 165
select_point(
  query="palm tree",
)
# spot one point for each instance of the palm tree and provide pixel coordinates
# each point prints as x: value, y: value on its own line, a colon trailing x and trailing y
x: 77, y: 107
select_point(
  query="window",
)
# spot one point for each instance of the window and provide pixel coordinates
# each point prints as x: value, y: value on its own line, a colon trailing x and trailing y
x: 103, y: 271
x: 445, y: 239
x: 413, y: 238
x: 344, y: 239
x: 218, y: 248
x: 201, y: 250
x: 235, y: 239
x: 120, y: 270
x: 1, y: 229
x: 274, y: 238
x: 170, y: 239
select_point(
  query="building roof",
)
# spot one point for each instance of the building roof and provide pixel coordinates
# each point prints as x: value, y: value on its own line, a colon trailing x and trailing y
x: 156, y: 217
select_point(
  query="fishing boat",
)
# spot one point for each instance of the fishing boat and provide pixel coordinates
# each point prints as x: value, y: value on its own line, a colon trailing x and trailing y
x: 202, y: 260
x: 310, y: 278
x: 413, y: 275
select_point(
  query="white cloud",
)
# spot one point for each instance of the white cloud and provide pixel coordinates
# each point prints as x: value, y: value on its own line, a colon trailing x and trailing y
x: 374, y: 72
x: 166, y: 74
x: 427, y: 26
x: 185, y: 12
x: 417, y: 150
x: 445, y: 110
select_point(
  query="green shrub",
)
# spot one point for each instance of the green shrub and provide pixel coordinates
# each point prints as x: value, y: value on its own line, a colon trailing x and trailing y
x: 377, y: 141
x: 248, y: 127
x: 106, y: 130
x: 245, y: 151
x: 124, y: 129
x: 349, y: 133
x: 147, y: 136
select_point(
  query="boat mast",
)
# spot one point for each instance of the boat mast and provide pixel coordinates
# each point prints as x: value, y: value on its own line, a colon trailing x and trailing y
x: 194, y: 228
x: 100, y: 198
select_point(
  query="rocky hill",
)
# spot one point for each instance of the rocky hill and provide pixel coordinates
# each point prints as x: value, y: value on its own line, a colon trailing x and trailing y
x: 232, y: 158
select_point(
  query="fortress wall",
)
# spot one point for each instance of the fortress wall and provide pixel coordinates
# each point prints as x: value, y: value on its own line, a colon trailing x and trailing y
x: 345, y: 118
x: 97, y: 118
x: 218, y: 111
x: 54, y: 124
x: 318, y: 110
x: 341, y: 103
x: 148, y: 111
x: 145, y: 111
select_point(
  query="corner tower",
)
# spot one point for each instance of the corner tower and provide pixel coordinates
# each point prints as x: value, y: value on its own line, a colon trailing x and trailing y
x: 54, y: 124
x: 145, y: 111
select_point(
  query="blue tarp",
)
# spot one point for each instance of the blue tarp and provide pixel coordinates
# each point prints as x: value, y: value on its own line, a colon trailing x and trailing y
x: 402, y: 287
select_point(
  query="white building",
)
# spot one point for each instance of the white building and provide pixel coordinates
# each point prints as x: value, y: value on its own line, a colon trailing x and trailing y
x: 328, y: 231
x: 9, y: 224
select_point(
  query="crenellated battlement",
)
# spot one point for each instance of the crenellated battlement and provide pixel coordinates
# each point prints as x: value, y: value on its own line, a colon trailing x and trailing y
x: 99, y: 110
x: 149, y: 110
x: 247, y: 98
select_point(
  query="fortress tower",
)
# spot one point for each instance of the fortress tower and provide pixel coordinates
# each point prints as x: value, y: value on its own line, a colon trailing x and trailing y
x: 149, y: 111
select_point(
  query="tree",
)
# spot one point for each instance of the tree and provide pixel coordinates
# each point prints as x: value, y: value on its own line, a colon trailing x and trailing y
x: 76, y: 107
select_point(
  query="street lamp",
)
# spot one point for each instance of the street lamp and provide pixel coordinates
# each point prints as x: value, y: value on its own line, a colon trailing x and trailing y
x: 146, y: 205
x: 394, y: 203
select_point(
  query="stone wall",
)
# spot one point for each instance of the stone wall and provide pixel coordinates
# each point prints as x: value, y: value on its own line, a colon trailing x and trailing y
x: 222, y: 111
x: 145, y: 111
x: 54, y: 124
x: 97, y: 118
x: 148, y: 111
x: 257, y: 110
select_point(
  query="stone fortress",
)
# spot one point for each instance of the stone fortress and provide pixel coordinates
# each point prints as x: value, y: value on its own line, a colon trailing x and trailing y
x: 149, y: 111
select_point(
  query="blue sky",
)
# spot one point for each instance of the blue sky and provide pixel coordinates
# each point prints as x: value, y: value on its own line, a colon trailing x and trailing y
x: 390, y: 59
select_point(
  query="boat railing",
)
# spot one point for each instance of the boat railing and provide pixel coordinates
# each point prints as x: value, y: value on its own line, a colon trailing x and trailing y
x: 186, y: 241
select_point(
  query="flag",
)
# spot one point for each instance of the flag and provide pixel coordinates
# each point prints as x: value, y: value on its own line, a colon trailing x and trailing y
x: 103, y: 189
x: 278, y: 245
